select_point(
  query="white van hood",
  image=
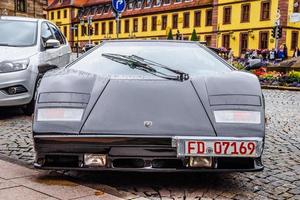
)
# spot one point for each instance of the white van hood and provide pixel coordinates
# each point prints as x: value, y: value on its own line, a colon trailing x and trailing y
x: 16, y: 53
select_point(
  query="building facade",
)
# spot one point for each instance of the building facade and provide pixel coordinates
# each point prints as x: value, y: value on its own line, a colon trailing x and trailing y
x: 236, y: 24
x: 24, y: 8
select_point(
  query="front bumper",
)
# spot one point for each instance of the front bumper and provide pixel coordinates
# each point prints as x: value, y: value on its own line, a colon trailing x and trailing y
x: 24, y: 78
x: 129, y: 153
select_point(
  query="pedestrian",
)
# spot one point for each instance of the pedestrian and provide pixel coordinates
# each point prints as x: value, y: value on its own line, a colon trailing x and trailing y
x: 272, y: 54
x: 280, y: 53
x: 230, y: 56
x: 296, y: 52
x: 285, y: 51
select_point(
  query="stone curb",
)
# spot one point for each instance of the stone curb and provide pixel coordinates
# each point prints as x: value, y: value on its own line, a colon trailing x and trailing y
x: 272, y: 87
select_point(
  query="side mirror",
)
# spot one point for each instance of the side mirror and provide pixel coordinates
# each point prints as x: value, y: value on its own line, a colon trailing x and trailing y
x: 46, y: 67
x: 52, y: 43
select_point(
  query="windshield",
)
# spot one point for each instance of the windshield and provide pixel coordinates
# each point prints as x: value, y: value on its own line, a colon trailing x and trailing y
x: 17, y: 33
x: 186, y: 57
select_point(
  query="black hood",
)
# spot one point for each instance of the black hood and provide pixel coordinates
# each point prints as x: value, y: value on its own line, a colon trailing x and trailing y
x: 171, y: 108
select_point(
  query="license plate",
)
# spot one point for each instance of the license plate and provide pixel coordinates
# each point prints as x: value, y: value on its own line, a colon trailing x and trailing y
x: 220, y: 148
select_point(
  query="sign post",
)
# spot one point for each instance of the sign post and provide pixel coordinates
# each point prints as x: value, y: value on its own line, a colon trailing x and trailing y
x: 118, y: 6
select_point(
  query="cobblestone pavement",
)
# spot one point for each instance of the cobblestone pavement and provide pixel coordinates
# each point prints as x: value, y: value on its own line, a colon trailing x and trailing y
x: 279, y: 180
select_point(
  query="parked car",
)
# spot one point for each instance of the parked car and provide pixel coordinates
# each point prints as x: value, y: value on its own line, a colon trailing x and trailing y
x: 26, y: 44
x: 128, y: 106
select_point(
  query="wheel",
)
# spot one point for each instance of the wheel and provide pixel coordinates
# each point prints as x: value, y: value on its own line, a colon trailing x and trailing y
x: 29, y: 108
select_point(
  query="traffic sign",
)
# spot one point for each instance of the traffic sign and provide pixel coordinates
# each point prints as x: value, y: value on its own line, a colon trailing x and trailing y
x: 119, y: 5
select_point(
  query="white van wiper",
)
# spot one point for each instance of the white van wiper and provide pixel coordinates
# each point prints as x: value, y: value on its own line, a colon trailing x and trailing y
x: 136, y: 62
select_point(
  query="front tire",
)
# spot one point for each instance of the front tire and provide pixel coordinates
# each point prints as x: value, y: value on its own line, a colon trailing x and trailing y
x: 29, y: 108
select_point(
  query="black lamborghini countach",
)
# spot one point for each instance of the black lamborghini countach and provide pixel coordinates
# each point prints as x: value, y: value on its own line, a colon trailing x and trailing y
x: 149, y: 106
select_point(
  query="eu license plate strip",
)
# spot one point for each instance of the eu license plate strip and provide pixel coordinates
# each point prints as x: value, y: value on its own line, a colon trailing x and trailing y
x: 220, y: 148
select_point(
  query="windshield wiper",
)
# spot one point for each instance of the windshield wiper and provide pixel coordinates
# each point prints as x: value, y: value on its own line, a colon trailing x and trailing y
x: 136, y: 62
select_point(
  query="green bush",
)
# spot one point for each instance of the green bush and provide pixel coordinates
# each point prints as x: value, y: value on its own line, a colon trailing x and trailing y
x: 294, y: 76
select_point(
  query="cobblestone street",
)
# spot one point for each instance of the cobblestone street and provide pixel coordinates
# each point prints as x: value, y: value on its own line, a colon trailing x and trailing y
x: 279, y: 180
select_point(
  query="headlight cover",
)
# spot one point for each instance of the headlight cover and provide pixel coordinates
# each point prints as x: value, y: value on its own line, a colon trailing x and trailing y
x: 59, y: 114
x: 13, y: 66
x: 237, y: 116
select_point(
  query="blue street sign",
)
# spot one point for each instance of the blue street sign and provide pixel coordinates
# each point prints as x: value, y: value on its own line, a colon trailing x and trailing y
x: 119, y: 5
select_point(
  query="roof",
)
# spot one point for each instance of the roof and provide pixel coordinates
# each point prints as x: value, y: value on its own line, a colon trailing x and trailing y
x: 56, y: 4
x: 89, y: 3
x: 142, y: 11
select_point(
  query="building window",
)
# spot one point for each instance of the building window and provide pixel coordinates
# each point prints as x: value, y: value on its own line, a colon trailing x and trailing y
x: 103, y: 28
x: 52, y: 15
x: 111, y: 27
x: 167, y: 2
x: 178, y: 1
x: 294, y: 42
x: 83, y: 30
x: 208, y: 39
x: 197, y: 20
x: 157, y: 2
x: 154, y: 23
x: 148, y: 3
x: 65, y: 30
x: 244, y: 42
x: 58, y: 14
x: 226, y: 41
x: 208, y: 21
x: 96, y: 29
x: 120, y: 26
x: 21, y: 5
x: 175, y: 21
x: 186, y: 20
x: 144, y: 24
x: 65, y: 13
x: 135, y: 25
x: 265, y: 10
x: 126, y: 27
x: 263, y: 40
x: 76, y: 32
x: 227, y: 15
x: 245, y: 13
x: 106, y: 9
x: 130, y: 5
x: 164, y: 21
x: 296, y: 6
x: 139, y: 4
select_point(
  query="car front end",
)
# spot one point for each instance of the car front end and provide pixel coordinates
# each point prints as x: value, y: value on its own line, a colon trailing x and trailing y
x: 213, y: 122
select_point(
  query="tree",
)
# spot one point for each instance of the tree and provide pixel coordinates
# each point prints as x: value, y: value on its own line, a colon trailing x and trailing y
x: 170, y: 35
x: 194, y: 36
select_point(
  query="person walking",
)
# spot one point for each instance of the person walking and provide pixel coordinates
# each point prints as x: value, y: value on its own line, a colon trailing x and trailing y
x: 285, y: 51
x: 296, y: 52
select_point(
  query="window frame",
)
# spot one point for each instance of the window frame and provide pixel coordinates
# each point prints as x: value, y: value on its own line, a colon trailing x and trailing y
x: 206, y: 17
x: 227, y: 19
x: 295, y: 43
x: 154, y: 26
x: 196, y: 22
x: 144, y: 24
x: 242, y: 12
x: 262, y: 11
x: 260, y: 39
x: 186, y: 21
x: 173, y: 23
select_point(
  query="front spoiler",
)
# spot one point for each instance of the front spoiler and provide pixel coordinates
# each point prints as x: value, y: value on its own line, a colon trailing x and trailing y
x: 144, y: 148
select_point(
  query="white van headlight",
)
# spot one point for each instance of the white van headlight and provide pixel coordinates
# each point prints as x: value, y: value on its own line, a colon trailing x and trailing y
x: 237, y: 116
x: 13, y: 66
x: 59, y: 114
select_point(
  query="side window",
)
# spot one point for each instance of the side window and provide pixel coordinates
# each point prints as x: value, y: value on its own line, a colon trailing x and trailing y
x: 58, y: 35
x: 46, y: 33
